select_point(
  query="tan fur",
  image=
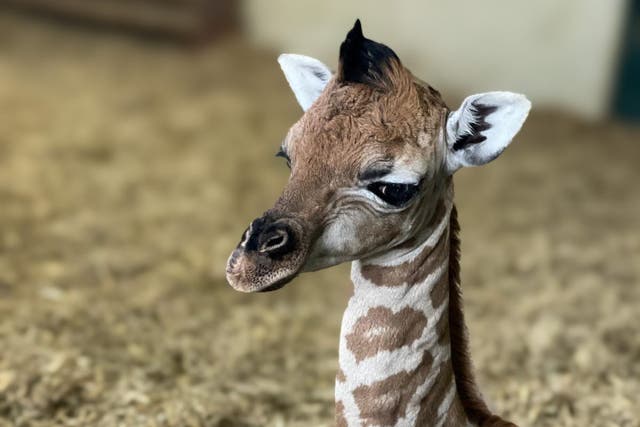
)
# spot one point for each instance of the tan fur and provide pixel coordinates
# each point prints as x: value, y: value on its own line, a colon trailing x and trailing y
x: 351, y: 126
x: 340, y: 420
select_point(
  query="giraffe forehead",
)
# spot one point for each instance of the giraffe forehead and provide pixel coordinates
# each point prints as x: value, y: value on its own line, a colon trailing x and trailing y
x: 350, y: 127
x: 351, y: 144
x: 358, y: 158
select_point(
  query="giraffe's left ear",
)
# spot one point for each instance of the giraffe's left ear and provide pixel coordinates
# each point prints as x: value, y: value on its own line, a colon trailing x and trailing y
x: 483, y: 126
x: 307, y: 77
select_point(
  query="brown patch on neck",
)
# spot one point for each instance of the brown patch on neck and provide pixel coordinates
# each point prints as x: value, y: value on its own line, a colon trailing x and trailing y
x: 381, y: 329
x: 385, y: 402
x: 340, y: 419
x: 472, y: 401
x: 436, y: 395
x: 410, y: 272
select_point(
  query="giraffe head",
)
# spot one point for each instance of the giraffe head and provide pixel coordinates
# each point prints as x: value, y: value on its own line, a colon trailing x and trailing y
x: 370, y: 157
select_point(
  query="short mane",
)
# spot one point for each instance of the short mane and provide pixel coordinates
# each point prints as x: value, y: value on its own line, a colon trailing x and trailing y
x: 471, y: 398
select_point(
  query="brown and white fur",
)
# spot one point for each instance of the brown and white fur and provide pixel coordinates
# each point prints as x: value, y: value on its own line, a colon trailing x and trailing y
x: 371, y: 164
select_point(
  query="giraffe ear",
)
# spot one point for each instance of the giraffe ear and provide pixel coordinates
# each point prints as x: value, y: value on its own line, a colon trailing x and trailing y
x: 306, y: 76
x: 483, y: 127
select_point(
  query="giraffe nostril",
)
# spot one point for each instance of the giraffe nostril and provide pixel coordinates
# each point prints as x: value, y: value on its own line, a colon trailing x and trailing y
x: 275, y: 240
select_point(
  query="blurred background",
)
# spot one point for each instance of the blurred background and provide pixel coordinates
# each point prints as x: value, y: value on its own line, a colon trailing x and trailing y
x: 137, y: 141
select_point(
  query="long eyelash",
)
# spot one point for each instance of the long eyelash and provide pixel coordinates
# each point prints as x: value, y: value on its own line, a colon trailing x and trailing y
x: 284, y: 155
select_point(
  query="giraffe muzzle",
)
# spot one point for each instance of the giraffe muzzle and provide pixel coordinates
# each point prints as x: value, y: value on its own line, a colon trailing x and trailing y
x: 271, y: 253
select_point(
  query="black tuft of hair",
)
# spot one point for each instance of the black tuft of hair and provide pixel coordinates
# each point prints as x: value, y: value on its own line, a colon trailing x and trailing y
x: 363, y: 60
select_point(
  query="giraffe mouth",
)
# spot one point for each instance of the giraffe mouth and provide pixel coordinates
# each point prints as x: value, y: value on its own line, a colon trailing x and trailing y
x: 278, y: 285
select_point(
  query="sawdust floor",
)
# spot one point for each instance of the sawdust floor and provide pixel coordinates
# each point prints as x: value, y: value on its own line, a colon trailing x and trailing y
x: 128, y: 171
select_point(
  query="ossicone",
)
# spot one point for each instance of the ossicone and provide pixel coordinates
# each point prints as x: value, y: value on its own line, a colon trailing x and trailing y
x: 365, y: 61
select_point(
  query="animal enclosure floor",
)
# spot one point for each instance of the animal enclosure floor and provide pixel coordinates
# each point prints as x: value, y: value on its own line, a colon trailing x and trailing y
x: 128, y: 171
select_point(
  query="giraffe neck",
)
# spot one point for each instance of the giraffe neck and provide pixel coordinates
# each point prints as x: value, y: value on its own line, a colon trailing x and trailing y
x: 395, y: 353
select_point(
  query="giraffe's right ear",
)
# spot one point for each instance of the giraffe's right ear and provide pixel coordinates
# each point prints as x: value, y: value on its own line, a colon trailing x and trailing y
x: 306, y: 76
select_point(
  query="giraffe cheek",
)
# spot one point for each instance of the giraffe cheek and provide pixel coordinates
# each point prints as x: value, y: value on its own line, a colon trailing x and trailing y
x: 336, y: 244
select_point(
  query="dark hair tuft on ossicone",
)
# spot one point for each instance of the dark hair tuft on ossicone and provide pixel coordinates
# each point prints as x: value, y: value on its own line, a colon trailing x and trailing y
x: 363, y: 60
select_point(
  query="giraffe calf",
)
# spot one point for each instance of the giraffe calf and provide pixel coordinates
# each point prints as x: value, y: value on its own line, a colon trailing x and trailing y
x: 372, y: 160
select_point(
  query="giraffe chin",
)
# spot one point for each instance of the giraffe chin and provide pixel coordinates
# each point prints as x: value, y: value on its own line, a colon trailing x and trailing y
x: 278, y: 285
x: 242, y: 285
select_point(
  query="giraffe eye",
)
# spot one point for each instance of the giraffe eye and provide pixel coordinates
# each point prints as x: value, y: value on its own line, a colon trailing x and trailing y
x: 393, y: 193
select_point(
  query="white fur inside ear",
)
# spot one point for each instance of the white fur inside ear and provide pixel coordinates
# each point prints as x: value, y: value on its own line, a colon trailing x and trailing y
x: 483, y: 127
x: 307, y: 77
